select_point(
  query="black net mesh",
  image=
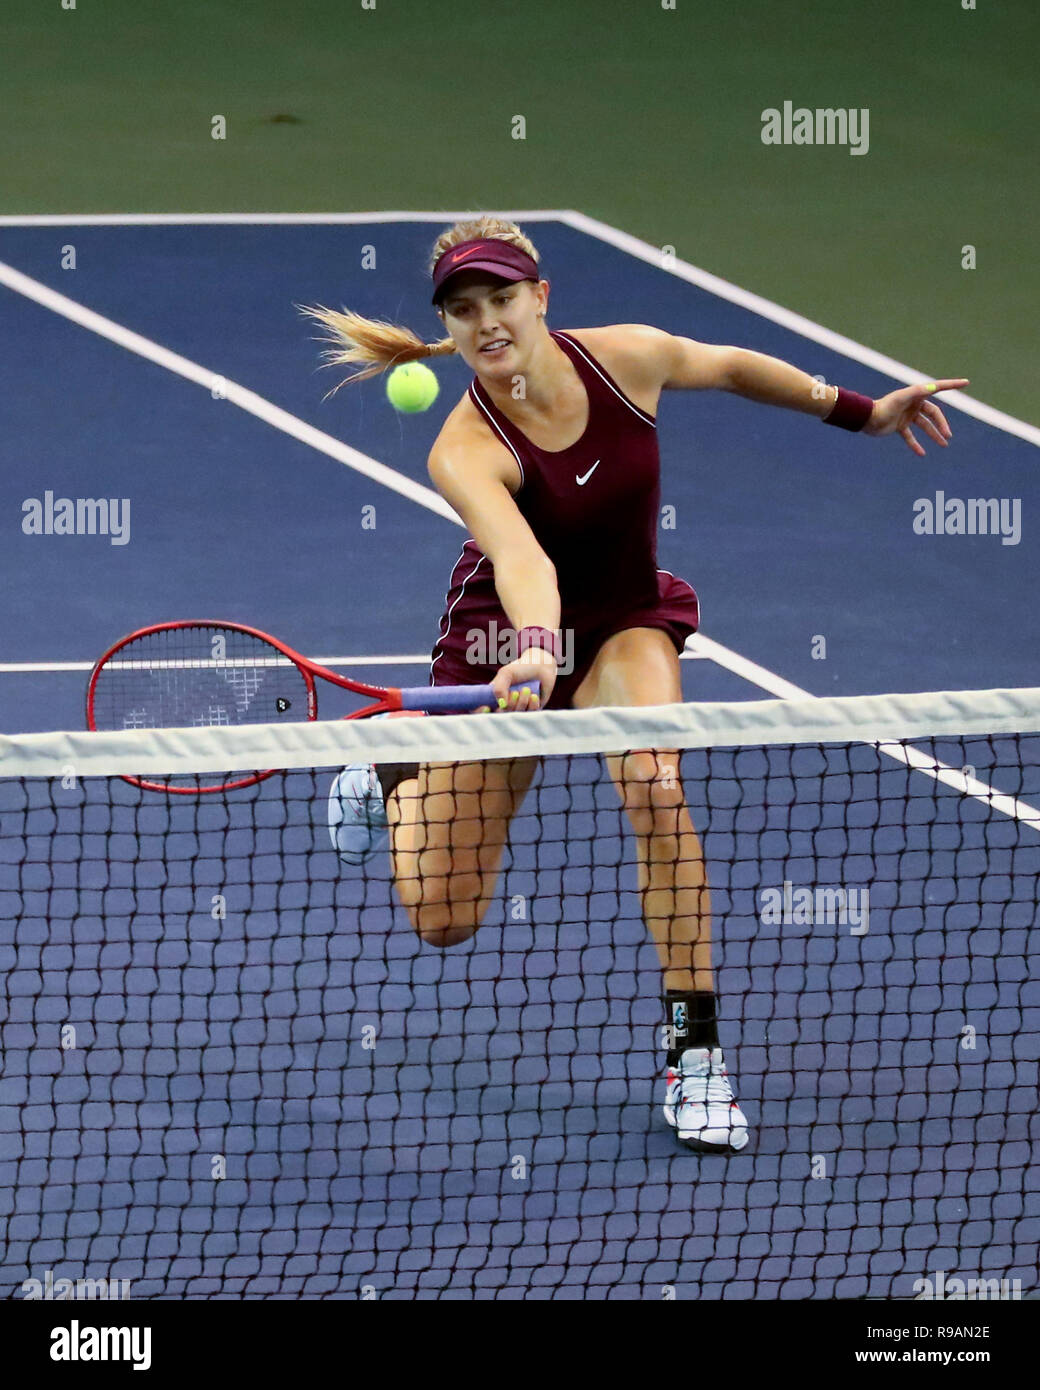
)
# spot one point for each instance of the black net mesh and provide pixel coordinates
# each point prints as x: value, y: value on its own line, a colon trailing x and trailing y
x: 232, y: 1068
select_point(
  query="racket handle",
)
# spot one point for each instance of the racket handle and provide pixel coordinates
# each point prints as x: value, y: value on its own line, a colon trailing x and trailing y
x: 456, y: 699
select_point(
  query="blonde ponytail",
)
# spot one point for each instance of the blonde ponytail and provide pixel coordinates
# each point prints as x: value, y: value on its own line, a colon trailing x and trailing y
x: 378, y: 345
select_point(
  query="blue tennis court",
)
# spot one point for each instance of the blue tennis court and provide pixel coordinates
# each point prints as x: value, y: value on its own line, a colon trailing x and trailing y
x: 477, y: 1148
x: 786, y: 531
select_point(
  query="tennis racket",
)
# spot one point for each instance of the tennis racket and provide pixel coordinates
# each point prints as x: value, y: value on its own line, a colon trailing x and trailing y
x: 205, y: 673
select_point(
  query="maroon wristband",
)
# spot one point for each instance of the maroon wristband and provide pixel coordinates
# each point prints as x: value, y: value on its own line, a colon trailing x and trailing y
x: 850, y: 411
x: 539, y: 637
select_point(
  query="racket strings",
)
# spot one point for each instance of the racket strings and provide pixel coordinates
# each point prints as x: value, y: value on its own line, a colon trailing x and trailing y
x: 197, y: 676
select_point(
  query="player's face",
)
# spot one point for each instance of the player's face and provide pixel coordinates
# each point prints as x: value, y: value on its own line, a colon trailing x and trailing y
x: 494, y: 324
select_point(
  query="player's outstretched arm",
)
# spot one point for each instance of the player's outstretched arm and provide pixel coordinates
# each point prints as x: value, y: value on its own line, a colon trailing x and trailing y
x: 770, y: 381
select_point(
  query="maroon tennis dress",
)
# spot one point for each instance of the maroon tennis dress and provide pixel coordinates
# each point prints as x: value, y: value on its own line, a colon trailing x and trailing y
x: 593, y: 508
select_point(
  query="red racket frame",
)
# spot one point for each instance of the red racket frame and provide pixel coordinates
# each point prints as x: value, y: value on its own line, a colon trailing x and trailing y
x: 386, y: 699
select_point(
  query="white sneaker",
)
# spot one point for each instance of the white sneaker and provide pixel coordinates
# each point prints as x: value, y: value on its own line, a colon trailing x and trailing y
x: 699, y: 1103
x: 357, y: 815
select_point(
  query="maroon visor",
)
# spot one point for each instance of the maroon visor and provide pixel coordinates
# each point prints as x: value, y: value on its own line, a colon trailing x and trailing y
x: 489, y: 254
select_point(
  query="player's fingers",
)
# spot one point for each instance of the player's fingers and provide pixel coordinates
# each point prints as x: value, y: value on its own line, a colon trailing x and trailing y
x: 939, y: 420
x: 911, y: 441
x: 500, y: 685
x: 931, y: 429
x: 938, y: 417
x: 510, y: 700
x: 952, y: 383
x: 515, y: 686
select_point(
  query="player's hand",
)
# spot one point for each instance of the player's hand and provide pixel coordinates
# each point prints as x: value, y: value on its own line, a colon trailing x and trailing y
x: 896, y: 412
x: 534, y: 665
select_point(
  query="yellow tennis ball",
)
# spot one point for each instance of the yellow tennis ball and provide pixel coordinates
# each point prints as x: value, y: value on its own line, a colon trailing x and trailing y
x: 411, y: 387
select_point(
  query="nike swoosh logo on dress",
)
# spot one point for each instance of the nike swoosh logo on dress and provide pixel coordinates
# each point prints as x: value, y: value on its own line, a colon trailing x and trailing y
x: 582, y: 481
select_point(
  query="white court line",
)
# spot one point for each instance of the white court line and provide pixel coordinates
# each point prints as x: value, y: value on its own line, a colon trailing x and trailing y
x: 229, y: 390
x: 17, y: 667
x: 289, y: 424
x: 941, y: 772
x: 226, y: 219
x: 423, y: 659
x: 591, y: 226
x: 797, y: 323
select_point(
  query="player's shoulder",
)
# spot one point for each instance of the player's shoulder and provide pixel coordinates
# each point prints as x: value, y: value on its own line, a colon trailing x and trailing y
x: 637, y: 356
x: 636, y: 350
x: 464, y: 424
x: 466, y: 440
x: 620, y: 335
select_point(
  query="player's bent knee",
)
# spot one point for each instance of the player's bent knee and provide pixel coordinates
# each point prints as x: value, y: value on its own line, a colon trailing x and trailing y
x: 443, y: 936
x: 650, y: 781
x: 445, y: 923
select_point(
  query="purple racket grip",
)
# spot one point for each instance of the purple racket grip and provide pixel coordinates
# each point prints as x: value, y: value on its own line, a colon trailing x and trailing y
x: 456, y: 699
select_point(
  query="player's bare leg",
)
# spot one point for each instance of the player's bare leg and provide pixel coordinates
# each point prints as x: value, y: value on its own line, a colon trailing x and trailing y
x: 640, y: 667
x: 448, y: 829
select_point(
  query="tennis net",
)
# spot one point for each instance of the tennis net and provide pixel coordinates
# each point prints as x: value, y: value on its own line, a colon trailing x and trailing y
x: 231, y: 1068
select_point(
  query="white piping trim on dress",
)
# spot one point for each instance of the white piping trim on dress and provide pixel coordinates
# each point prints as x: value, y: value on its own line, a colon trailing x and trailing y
x: 649, y: 419
x: 498, y: 430
x: 700, y: 611
x: 447, y: 626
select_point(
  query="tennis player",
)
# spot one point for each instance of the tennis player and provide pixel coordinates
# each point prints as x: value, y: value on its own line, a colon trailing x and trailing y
x: 551, y: 461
